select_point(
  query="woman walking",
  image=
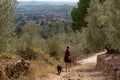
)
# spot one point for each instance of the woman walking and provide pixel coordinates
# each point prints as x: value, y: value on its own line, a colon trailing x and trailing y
x: 67, y: 59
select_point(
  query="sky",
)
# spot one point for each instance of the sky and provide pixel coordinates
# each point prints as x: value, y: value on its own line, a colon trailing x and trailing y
x: 52, y: 0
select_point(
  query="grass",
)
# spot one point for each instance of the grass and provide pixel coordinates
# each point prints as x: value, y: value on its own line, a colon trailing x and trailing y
x: 8, y: 55
x: 38, y: 70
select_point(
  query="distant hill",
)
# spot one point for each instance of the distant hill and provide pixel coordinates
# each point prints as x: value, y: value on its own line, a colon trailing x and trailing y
x: 34, y: 5
x: 51, y: 10
x: 45, y: 3
x: 45, y: 6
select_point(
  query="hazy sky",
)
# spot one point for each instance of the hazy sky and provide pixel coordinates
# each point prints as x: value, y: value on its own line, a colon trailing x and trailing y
x: 52, y: 0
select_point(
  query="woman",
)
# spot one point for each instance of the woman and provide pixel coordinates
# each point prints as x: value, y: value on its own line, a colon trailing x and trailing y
x: 67, y: 59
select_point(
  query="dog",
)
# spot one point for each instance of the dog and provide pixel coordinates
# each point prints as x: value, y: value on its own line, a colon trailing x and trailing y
x: 59, y: 69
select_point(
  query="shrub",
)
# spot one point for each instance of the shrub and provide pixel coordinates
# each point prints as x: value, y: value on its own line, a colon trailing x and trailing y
x: 27, y: 54
x: 53, y: 46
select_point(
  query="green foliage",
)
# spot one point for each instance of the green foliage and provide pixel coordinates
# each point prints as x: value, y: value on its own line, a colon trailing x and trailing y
x: 76, y: 41
x: 54, y: 29
x: 53, y: 47
x: 112, y: 14
x: 78, y: 15
x: 101, y: 1
x: 30, y: 34
x: 103, y: 25
x: 7, y: 17
x: 29, y: 37
x: 96, y: 36
x: 48, y: 61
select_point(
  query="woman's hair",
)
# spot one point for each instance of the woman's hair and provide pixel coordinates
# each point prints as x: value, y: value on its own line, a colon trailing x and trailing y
x: 68, y: 47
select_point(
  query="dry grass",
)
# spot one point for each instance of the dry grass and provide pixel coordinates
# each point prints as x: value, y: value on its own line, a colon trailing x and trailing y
x: 42, y: 70
x: 38, y: 70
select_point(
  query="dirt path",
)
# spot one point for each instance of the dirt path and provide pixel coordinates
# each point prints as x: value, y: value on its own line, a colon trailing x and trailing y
x: 84, y: 71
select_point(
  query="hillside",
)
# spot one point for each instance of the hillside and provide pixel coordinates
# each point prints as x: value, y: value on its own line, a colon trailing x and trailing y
x: 36, y: 37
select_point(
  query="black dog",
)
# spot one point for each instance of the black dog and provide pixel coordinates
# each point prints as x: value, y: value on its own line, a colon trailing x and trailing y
x: 59, y: 69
